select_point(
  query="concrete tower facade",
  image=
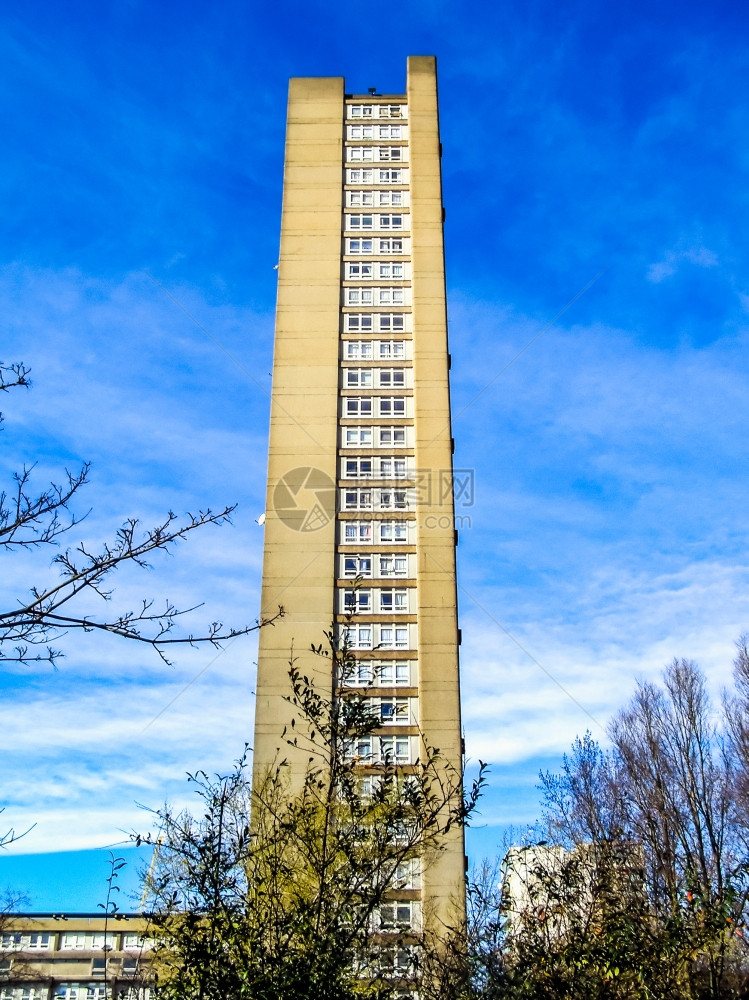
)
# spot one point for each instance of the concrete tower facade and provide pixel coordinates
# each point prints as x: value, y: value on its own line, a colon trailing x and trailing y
x: 360, y: 457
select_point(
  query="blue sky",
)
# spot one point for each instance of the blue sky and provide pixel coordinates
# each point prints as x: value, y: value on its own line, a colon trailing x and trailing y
x: 585, y: 147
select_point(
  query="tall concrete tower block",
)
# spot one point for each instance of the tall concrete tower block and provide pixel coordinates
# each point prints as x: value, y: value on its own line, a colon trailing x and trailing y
x: 359, y: 527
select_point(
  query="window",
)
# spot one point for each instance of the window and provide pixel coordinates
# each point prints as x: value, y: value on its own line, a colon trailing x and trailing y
x: 357, y: 500
x: 391, y: 246
x: 394, y: 271
x: 68, y: 991
x: 359, y: 322
x: 391, y: 111
x: 393, y: 637
x: 129, y: 965
x: 359, y: 296
x: 393, y: 566
x: 392, y: 322
x: 77, y: 941
x: 359, y: 221
x: 394, y: 672
x: 395, y: 916
x: 389, y: 296
x: 359, y: 246
x: 358, y: 378
x: 393, y: 531
x: 391, y: 406
x: 356, y: 532
x: 391, y: 378
x: 131, y: 941
x: 39, y: 941
x: 364, y: 132
x: 98, y: 941
x: 357, y: 565
x: 11, y: 942
x: 388, y: 222
x: 393, y: 600
x: 393, y: 499
x: 360, y: 154
x: 387, y: 198
x: 392, y: 349
x: 358, y: 468
x: 357, y: 350
x: 357, y: 406
x: 392, y: 468
x: 359, y: 272
x: 358, y: 672
x: 360, y: 110
x: 388, y: 132
x: 389, y: 176
x: 359, y: 175
x: 355, y: 600
x: 98, y: 968
x: 357, y: 637
x: 395, y: 436
x: 361, y: 198
x: 358, y: 436
x: 392, y: 153
x: 393, y: 711
x: 395, y: 749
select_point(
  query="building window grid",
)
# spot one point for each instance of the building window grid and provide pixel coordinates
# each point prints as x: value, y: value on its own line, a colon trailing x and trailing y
x: 393, y: 600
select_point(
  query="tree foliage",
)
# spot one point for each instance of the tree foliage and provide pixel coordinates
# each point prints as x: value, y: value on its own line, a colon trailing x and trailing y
x: 643, y: 890
x: 304, y: 887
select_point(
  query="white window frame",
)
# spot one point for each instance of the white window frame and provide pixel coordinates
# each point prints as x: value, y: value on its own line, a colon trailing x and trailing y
x: 357, y: 636
x: 362, y: 246
x: 392, y: 406
x: 357, y: 406
x: 394, y: 673
x: 392, y: 564
x: 393, y: 601
x: 355, y: 600
x: 356, y: 532
x: 358, y: 378
x: 357, y: 437
x: 361, y: 467
x: 391, y: 437
x: 357, y: 499
x: 359, y: 272
x: 356, y: 566
x: 393, y: 636
x: 391, y: 378
x: 393, y: 532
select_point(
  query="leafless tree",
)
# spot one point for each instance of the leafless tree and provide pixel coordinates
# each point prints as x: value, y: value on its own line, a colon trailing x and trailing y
x: 31, y: 629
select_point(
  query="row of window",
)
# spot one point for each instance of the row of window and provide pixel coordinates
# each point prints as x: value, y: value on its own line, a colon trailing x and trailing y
x: 383, y: 750
x: 379, y: 406
x: 375, y: 565
x: 377, y: 110
x: 374, y: 437
x: 376, y: 220
x: 379, y: 350
x: 377, y: 673
x: 376, y: 322
x: 370, y: 467
x: 374, y: 378
x: 73, y: 991
x: 376, y: 600
x: 373, y: 499
x: 376, y: 269
x: 370, y: 199
x: 377, y: 296
x: 376, y: 246
x: 359, y: 133
x: 376, y: 154
x: 368, y: 532
x: 371, y: 635
x: 78, y: 941
x: 370, y: 175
